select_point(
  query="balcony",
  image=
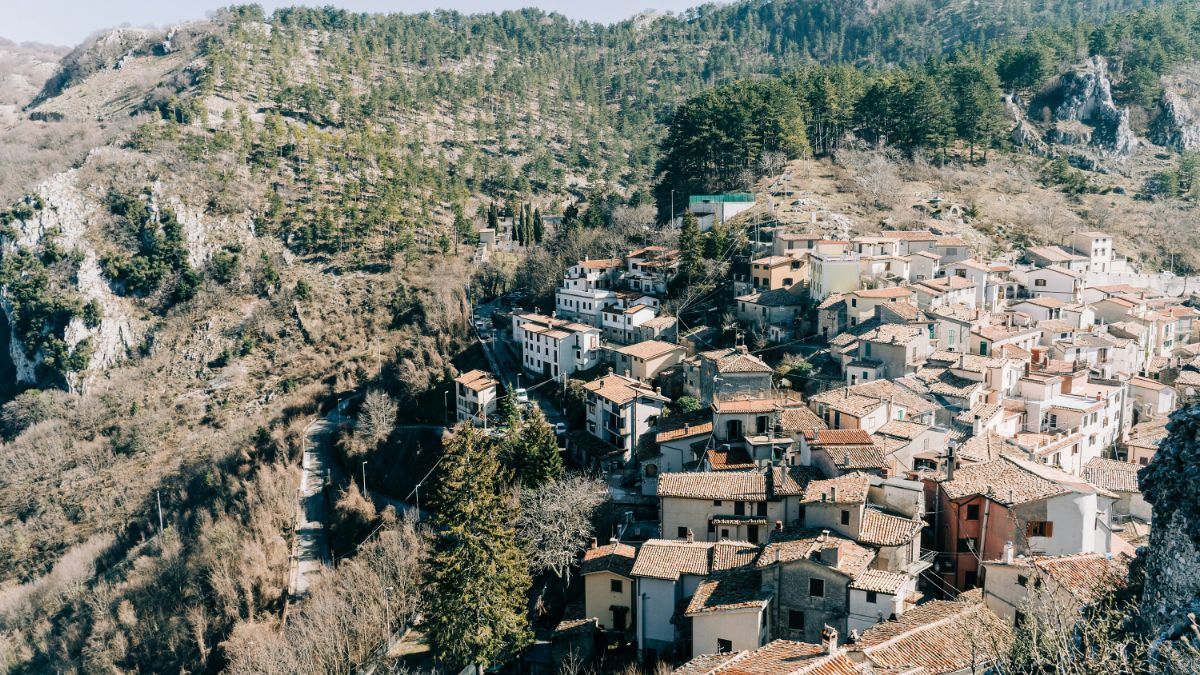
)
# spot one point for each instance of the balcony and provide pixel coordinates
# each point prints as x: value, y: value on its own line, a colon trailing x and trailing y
x: 924, y: 562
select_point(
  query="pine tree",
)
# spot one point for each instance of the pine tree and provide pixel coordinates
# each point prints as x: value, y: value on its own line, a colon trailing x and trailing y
x: 477, y: 578
x: 716, y: 244
x: 691, y: 246
x: 533, y: 453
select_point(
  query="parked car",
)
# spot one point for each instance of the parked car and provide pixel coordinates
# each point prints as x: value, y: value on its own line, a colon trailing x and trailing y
x: 522, y: 395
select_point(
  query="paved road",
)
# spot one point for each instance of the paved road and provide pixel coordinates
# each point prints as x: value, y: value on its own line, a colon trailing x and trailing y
x: 507, y: 367
x: 310, y: 549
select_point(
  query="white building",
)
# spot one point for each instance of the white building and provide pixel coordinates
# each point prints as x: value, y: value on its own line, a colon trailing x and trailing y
x: 620, y: 410
x: 555, y: 348
x: 831, y: 273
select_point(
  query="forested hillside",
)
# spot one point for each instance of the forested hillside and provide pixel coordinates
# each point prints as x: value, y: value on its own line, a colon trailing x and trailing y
x: 213, y: 233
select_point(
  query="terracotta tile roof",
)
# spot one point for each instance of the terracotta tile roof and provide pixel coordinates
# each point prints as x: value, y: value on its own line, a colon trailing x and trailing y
x: 1112, y: 474
x: 882, y: 529
x: 620, y: 389
x: 1064, y: 271
x: 880, y: 581
x: 649, y: 349
x: 890, y: 292
x: 903, y: 310
x: 855, y: 457
x: 729, y: 591
x: 1053, y: 253
x: 984, y: 447
x: 823, y: 437
x: 476, y: 380
x: 736, y: 360
x: 934, y: 635
x: 604, y: 263
x: 707, y: 664
x: 1086, y: 576
x: 668, y: 559
x: 908, y: 235
x: 660, y: 322
x: 746, y: 405
x: 798, y: 417
x: 888, y: 390
x: 842, y: 400
x: 736, y: 486
x: 962, y: 361
x: 616, y: 558
x: 951, y: 241
x: 781, y: 657
x: 791, y: 544
x: 942, y: 382
x: 779, y: 297
x: 903, y: 429
x: 894, y: 334
x: 848, y: 489
x: 1011, y: 480
x: 689, y: 431
x: 1147, y: 383
x: 734, y: 459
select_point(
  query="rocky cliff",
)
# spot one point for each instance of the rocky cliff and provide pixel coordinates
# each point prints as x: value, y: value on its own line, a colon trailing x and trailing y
x: 1084, y: 112
x: 1177, y: 122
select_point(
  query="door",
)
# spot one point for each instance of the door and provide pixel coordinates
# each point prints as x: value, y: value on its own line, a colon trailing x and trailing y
x: 752, y: 533
x: 620, y: 617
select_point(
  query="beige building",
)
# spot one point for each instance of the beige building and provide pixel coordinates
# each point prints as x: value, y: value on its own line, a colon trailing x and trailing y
x: 778, y: 272
x: 1014, y: 587
x: 476, y: 393
x: 645, y: 360
x: 729, y: 613
x: 608, y: 585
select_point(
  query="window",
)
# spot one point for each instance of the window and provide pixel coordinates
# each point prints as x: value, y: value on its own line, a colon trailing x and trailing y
x: 762, y: 509
x: 845, y: 517
x: 724, y: 533
x: 681, y: 532
x: 866, y: 349
x: 872, y: 597
x: 1039, y: 528
x: 795, y: 620
x: 816, y: 588
x: 1022, y: 580
x: 970, y: 579
x: 1039, y: 283
x: 615, y: 585
x: 972, y: 512
x: 854, y: 302
x: 724, y: 646
x: 739, y: 508
x: 716, y: 502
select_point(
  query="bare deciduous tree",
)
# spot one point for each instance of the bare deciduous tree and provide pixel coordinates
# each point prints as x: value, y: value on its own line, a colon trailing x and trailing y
x: 556, y: 522
x: 377, y: 417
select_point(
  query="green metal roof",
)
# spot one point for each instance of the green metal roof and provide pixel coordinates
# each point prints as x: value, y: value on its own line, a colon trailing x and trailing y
x: 732, y: 197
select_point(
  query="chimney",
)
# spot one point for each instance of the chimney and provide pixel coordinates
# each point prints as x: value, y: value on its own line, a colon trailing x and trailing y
x: 950, y: 461
x: 594, y: 542
x: 845, y: 460
x: 691, y: 536
x: 686, y: 427
x: 1008, y: 553
x: 829, y: 638
x: 831, y: 555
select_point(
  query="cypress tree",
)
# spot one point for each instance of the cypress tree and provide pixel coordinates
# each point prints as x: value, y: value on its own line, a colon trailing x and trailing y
x: 508, y: 411
x: 539, y: 228
x: 477, y: 578
x: 691, y: 246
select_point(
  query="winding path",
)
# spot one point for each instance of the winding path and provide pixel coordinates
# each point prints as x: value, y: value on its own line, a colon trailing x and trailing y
x: 318, y: 468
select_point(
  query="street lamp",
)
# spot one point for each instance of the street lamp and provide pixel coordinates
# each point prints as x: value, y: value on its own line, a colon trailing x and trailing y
x: 387, y: 618
x: 446, y: 405
x: 364, y: 472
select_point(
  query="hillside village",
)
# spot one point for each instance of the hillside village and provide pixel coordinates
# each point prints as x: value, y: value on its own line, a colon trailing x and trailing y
x: 900, y: 443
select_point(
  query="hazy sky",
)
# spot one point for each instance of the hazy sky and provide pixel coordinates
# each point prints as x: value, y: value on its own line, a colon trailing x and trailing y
x: 66, y: 22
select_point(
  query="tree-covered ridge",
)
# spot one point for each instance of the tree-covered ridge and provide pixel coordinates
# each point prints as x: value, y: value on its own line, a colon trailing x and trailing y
x: 948, y: 100
x: 389, y: 127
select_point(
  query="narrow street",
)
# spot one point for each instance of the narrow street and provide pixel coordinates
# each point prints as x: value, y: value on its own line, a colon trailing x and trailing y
x: 310, y: 549
x: 507, y: 367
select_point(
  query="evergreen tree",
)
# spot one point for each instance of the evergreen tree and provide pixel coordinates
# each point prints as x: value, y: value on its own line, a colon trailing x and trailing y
x: 533, y: 453
x: 691, y: 246
x: 508, y: 410
x: 539, y: 228
x: 716, y: 244
x: 974, y: 94
x: 477, y: 578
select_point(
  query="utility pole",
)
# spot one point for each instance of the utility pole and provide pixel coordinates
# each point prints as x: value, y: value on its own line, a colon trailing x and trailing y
x: 671, y: 219
x: 387, y: 618
x: 364, y: 473
x: 158, y: 498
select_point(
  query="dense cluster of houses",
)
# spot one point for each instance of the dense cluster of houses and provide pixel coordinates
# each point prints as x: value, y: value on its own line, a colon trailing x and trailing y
x: 967, y: 425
